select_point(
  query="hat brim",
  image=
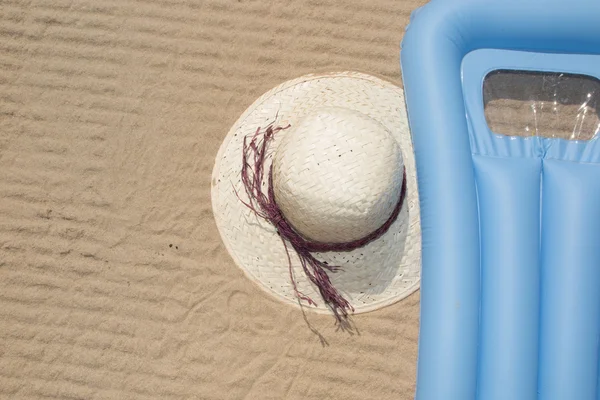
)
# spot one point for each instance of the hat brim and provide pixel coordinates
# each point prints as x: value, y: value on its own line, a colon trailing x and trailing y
x: 379, y: 274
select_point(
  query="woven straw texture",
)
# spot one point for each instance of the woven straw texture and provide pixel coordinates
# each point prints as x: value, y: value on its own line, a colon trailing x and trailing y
x: 376, y: 275
x: 337, y: 175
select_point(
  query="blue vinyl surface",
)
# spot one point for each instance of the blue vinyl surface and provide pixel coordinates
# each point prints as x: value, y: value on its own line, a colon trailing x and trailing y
x: 510, y: 290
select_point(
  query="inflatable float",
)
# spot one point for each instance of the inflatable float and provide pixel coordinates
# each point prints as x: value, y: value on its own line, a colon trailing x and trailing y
x: 510, y: 292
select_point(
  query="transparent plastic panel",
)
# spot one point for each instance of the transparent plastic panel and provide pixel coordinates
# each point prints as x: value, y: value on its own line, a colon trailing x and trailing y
x: 553, y: 105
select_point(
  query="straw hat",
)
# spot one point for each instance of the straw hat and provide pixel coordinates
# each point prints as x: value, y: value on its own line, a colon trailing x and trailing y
x: 337, y: 173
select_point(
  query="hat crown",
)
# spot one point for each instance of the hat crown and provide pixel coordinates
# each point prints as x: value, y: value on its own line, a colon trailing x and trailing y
x: 337, y: 175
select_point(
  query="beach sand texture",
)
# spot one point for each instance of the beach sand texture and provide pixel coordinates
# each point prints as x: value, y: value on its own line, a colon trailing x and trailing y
x: 114, y: 282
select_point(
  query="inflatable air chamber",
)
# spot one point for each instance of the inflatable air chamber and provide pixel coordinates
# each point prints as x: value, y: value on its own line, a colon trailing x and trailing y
x: 510, y: 291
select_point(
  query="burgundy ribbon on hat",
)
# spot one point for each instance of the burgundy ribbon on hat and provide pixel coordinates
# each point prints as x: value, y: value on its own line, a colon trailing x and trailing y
x: 264, y: 206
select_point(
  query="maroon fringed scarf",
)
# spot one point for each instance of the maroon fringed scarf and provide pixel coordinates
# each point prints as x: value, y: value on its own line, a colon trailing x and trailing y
x: 264, y: 206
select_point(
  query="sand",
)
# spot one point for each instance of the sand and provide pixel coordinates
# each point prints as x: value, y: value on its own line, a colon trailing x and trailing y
x: 114, y: 283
